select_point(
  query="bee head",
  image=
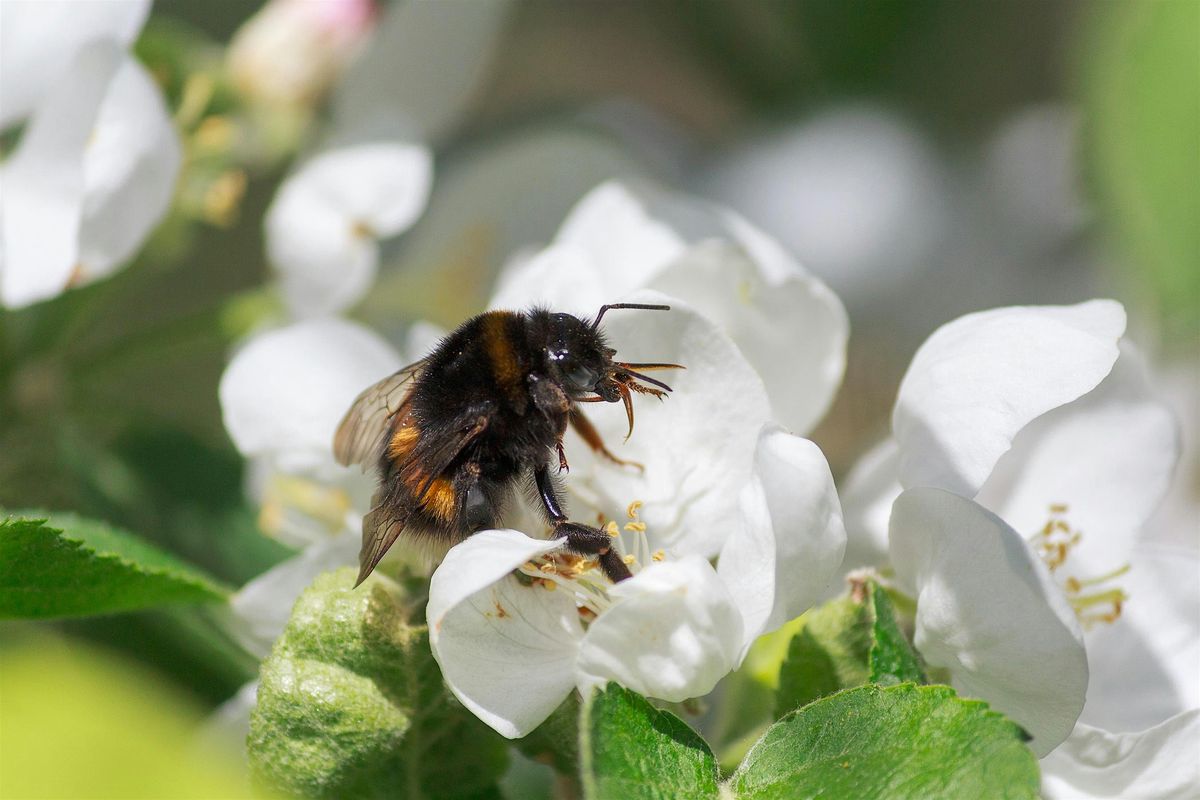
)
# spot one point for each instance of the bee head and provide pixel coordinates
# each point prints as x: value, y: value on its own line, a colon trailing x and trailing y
x: 577, y: 356
x: 582, y: 363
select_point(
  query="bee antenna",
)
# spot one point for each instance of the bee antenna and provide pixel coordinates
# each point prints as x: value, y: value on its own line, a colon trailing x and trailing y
x: 641, y: 306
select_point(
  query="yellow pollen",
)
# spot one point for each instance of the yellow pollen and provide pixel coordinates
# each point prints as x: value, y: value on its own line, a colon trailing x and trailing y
x: 629, y: 560
x: 632, y: 510
x: 658, y: 555
x: 612, y: 530
x: 1053, y: 544
x: 636, y: 527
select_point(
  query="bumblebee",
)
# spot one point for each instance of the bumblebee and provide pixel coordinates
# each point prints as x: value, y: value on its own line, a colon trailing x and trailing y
x: 454, y: 433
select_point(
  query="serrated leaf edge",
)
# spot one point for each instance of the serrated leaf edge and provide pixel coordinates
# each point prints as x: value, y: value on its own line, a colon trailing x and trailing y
x: 194, y: 579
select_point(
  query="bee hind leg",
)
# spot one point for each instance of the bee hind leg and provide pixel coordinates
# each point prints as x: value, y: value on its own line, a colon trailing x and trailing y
x: 581, y: 538
x: 593, y: 541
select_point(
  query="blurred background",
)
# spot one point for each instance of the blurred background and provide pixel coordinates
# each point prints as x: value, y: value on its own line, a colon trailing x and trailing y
x: 924, y: 158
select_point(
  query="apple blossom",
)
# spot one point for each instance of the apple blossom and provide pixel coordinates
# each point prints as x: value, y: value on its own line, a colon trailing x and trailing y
x: 1031, y: 434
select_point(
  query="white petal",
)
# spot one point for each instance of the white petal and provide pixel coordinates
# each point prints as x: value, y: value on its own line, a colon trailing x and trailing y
x: 1108, y: 457
x: 1157, y: 764
x: 787, y: 323
x: 1145, y: 667
x: 421, y: 68
x: 285, y: 392
x: 44, y: 181
x: 39, y: 39
x: 562, y: 277
x: 697, y: 445
x: 507, y: 651
x: 323, y: 225
x: 989, y: 612
x: 791, y: 328
x: 791, y: 545
x: 977, y: 381
x: 673, y: 633
x: 867, y: 496
x: 130, y: 167
x: 263, y: 606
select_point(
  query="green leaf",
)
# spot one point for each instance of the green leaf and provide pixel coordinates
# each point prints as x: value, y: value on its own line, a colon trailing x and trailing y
x: 70, y: 566
x: 846, y: 642
x: 897, y: 742
x: 892, y: 659
x: 351, y: 704
x: 1141, y: 93
x: 633, y: 751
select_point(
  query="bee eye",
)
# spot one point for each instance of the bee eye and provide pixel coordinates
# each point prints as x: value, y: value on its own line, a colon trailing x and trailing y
x: 581, y: 378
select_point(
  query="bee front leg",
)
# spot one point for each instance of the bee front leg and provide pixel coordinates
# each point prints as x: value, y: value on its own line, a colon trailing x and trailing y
x: 580, y: 538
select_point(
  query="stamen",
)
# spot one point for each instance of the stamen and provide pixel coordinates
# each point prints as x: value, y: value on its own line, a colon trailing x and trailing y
x: 582, y: 577
x: 1053, y: 544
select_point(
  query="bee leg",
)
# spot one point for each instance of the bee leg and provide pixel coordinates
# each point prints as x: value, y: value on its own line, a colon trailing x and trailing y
x: 580, y: 538
x: 583, y: 426
x: 593, y: 541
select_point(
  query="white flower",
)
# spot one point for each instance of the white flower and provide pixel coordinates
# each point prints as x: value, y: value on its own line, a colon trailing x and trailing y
x: 282, y: 397
x: 512, y: 648
x: 95, y: 168
x: 324, y: 226
x: 1014, y: 430
x: 733, y: 291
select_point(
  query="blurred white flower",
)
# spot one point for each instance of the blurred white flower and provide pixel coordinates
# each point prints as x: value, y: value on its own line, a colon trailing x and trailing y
x: 40, y: 40
x: 282, y: 397
x: 1045, y: 417
x: 291, y: 51
x: 95, y: 168
x: 512, y: 651
x: 856, y: 193
x: 324, y: 226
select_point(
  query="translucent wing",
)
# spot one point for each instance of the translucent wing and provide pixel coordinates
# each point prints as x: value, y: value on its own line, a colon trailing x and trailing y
x: 391, y: 509
x: 360, y: 435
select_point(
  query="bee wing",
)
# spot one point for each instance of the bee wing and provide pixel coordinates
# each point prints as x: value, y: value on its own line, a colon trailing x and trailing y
x: 386, y: 520
x: 360, y: 435
x: 381, y: 527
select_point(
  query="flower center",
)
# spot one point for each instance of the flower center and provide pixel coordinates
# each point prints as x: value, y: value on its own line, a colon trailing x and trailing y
x: 1095, y: 600
x: 582, y: 577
